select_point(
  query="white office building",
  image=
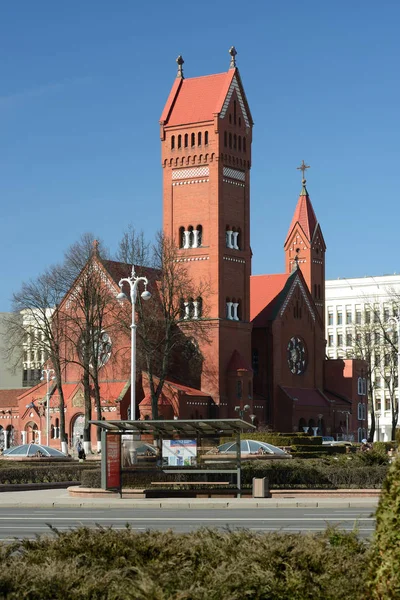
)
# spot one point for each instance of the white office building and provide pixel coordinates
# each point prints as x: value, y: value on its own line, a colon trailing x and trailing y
x: 354, y: 304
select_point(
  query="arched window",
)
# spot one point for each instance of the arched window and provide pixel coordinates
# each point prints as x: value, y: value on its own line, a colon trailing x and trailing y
x: 229, y: 309
x: 181, y: 237
x: 239, y: 143
x: 206, y: 138
x: 230, y: 140
x: 239, y: 389
x: 191, y: 308
x: 244, y: 144
x: 198, y: 308
x: 193, y: 140
x: 199, y: 138
x: 254, y: 361
x: 234, y: 142
x: 186, y: 140
x: 234, y: 112
x: 199, y: 229
x: 172, y: 142
x: 225, y: 139
x: 182, y: 308
x: 239, y: 310
x: 240, y: 122
x: 190, y: 229
x: 230, y: 118
x: 179, y: 141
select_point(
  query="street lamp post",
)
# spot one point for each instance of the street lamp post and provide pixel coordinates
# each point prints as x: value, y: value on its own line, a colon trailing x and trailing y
x: 133, y: 282
x: 48, y: 373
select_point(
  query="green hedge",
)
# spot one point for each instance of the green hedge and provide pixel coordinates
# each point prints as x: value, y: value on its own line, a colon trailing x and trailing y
x: 310, y: 474
x: 280, y: 439
x: 327, y: 450
x: 50, y: 473
x: 316, y: 474
x: 201, y: 565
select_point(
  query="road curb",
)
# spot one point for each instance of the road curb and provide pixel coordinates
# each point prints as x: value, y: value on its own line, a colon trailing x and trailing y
x: 204, y: 505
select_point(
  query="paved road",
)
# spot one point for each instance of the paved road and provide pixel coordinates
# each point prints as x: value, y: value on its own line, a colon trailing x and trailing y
x: 27, y: 522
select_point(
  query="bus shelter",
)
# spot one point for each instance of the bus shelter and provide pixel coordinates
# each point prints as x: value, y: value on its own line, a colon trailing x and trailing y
x: 179, y: 444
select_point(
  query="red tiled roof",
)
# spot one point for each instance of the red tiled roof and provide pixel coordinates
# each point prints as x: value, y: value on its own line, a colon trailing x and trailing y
x: 197, y: 99
x: 9, y: 398
x: 264, y: 290
x: 238, y: 363
x: 109, y: 390
x: 119, y: 270
x: 162, y: 400
x: 306, y: 397
x: 189, y: 391
x: 304, y: 215
x: 336, y: 398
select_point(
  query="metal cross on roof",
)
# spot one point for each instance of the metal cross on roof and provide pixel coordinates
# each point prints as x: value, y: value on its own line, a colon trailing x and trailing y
x: 303, y: 168
x: 233, y: 53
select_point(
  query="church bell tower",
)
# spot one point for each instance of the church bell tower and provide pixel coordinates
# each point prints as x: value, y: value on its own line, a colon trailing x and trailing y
x: 206, y: 135
x: 305, y: 246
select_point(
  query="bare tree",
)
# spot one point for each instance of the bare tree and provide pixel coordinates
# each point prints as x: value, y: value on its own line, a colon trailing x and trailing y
x: 90, y: 312
x: 37, y: 324
x: 169, y: 325
x: 364, y: 349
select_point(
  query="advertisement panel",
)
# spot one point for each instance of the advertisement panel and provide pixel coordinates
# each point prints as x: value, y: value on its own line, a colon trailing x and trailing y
x: 179, y: 453
x: 113, y: 461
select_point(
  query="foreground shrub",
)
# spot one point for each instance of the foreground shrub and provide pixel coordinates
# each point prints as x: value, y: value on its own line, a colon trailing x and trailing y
x: 385, y: 565
x: 203, y: 565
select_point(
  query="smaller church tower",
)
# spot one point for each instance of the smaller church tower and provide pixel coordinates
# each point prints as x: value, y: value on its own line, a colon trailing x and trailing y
x: 305, y: 246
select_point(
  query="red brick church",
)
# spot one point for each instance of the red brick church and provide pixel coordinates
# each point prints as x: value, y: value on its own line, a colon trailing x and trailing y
x: 266, y: 347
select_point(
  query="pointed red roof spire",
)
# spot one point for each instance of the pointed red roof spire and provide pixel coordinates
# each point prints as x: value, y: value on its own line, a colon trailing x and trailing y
x: 304, y: 214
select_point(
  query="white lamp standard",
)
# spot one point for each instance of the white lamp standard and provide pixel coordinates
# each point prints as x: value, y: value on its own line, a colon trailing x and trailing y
x: 133, y: 282
x: 48, y: 373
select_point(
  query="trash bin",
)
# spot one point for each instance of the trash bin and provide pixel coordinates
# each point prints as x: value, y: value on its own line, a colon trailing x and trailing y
x: 261, y: 487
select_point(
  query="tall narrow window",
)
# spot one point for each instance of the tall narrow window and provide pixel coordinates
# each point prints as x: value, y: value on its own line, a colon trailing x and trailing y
x: 199, y: 138
x: 234, y: 112
x: 254, y: 361
x: 230, y: 140
x: 179, y: 141
x: 172, y: 142
x: 206, y: 138
x: 186, y: 140
x: 181, y: 237
x: 193, y: 140
x: 199, y: 234
x: 244, y: 144
x: 225, y: 139
x: 239, y: 143
x: 234, y: 141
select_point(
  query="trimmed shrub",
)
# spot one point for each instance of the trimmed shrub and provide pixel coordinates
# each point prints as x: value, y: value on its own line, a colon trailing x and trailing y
x: 315, y: 474
x: 50, y: 473
x: 91, y: 479
x: 385, y: 564
x: 201, y: 565
x: 280, y: 439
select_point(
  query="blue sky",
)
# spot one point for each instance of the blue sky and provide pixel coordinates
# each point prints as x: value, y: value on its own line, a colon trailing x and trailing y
x: 83, y: 84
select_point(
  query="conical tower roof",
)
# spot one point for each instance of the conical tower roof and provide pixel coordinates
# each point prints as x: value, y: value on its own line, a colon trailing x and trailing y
x: 304, y: 215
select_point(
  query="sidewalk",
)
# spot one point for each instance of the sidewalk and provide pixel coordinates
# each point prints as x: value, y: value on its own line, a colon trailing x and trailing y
x: 61, y: 499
